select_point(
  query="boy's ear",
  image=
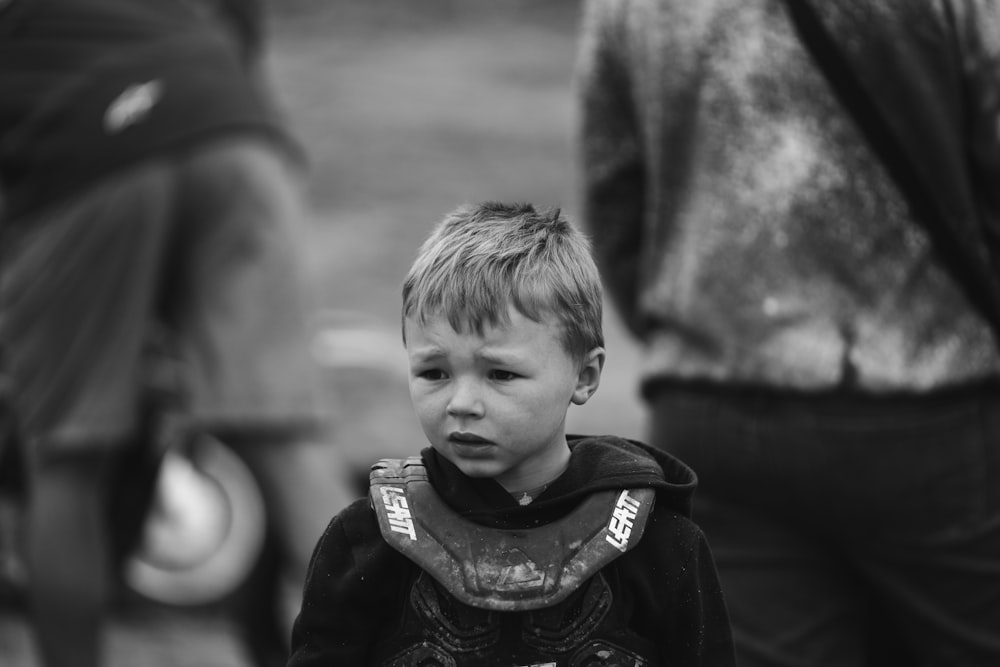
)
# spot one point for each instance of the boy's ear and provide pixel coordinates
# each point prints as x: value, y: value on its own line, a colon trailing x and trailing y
x: 589, y: 376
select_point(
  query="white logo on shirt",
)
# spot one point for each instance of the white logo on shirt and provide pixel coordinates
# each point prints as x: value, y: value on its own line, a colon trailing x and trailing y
x: 400, y: 519
x: 620, y: 526
x: 132, y: 105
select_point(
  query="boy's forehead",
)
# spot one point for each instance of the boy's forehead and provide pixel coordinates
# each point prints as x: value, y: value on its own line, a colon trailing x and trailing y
x: 460, y: 324
x: 468, y: 320
x: 505, y: 321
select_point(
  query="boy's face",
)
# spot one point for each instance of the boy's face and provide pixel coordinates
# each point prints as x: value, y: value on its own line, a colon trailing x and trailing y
x: 495, y: 404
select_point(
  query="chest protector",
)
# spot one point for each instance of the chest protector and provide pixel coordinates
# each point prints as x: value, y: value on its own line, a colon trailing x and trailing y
x: 532, y: 597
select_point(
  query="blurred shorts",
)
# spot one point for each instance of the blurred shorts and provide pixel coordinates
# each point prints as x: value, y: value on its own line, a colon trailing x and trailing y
x: 198, y: 253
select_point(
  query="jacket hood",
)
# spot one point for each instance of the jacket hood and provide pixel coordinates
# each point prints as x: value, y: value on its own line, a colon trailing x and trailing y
x: 597, y: 463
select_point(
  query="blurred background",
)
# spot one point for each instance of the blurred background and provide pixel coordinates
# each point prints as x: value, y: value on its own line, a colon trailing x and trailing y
x: 407, y: 108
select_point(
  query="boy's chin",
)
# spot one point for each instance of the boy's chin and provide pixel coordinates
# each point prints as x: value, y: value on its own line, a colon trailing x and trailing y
x: 479, y: 469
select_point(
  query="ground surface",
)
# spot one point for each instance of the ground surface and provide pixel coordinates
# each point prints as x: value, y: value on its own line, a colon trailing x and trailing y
x: 407, y: 108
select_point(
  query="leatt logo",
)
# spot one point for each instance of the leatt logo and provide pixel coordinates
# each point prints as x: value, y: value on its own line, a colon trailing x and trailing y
x: 620, y: 526
x: 400, y: 519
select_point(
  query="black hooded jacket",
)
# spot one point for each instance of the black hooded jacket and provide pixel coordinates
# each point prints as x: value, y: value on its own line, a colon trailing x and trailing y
x: 665, y: 590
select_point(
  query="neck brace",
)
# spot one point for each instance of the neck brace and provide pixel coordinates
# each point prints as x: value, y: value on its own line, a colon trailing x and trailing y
x: 496, y: 568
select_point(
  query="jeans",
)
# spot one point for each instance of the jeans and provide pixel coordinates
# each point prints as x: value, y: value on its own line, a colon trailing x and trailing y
x: 848, y: 531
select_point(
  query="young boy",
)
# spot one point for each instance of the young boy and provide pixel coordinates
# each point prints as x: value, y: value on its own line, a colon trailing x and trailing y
x: 508, y: 542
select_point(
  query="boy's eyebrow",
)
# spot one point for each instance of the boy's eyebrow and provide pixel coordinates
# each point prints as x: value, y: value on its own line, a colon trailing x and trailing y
x: 498, y: 356
x: 427, y: 352
x: 432, y: 352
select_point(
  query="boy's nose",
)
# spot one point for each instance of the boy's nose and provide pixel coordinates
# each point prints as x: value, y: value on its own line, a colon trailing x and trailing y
x: 465, y: 400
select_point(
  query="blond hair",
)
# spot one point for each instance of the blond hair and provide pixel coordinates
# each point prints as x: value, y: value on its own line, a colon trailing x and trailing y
x: 482, y: 259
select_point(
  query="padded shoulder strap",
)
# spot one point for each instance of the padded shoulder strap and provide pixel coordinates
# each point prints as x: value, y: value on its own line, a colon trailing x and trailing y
x: 501, y: 569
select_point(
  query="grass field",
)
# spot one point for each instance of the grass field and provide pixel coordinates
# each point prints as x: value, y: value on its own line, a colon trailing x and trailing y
x: 408, y: 108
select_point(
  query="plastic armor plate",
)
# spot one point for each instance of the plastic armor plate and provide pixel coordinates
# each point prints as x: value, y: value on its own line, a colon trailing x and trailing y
x: 503, y: 569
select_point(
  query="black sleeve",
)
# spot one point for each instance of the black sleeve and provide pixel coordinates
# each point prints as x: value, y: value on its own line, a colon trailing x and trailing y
x: 701, y: 620
x: 977, y: 34
x: 680, y: 602
x: 351, y: 592
x: 611, y: 157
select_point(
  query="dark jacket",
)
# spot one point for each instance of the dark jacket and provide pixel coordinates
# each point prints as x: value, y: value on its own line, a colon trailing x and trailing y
x: 358, y: 589
x: 748, y: 233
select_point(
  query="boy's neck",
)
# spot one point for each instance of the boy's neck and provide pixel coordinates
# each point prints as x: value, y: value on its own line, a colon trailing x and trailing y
x: 528, y: 496
x: 535, y: 484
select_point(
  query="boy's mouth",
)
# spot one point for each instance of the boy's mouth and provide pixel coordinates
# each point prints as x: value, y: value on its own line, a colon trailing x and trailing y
x: 462, y: 438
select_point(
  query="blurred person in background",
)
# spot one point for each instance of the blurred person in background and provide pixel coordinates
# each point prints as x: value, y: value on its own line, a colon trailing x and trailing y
x: 818, y: 345
x: 151, y: 201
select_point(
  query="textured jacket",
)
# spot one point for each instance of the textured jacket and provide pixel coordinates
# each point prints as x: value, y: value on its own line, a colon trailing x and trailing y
x: 359, y: 591
x: 748, y: 234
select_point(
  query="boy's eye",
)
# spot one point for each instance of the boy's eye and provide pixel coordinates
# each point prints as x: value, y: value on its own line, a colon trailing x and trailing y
x: 502, y: 376
x: 432, y: 374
